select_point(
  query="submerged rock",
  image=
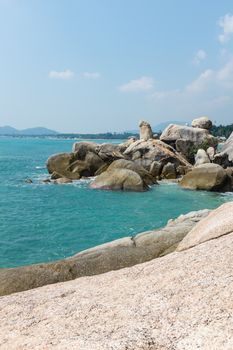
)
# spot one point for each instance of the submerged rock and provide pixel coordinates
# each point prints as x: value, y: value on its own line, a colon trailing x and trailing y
x: 62, y: 180
x: 210, y: 177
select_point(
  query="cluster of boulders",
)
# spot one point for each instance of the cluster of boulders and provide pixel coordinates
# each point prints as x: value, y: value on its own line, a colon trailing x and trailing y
x: 181, y: 151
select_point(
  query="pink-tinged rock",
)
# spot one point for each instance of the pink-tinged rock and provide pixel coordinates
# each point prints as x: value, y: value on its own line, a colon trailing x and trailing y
x: 218, y: 223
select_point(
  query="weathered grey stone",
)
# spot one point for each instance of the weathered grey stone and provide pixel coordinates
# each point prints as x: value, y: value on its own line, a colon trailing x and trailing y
x: 60, y: 164
x: 145, y: 131
x: 201, y: 157
x: 81, y: 148
x: 169, y: 171
x: 154, y: 150
x: 225, y: 157
x: 196, y: 135
x: 88, y: 166
x: 210, y: 177
x: 184, y: 147
x: 156, y: 169
x: 210, y: 152
x: 202, y: 123
x: 110, y: 256
x: 109, y: 152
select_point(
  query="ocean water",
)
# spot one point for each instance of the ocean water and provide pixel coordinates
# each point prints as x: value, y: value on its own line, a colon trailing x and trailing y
x: 45, y: 222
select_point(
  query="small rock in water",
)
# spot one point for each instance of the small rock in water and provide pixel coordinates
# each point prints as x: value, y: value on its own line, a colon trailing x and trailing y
x: 62, y: 180
x: 28, y: 181
x: 46, y: 181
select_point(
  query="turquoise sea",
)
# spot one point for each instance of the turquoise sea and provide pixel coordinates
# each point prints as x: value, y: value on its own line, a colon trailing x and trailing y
x: 45, y: 222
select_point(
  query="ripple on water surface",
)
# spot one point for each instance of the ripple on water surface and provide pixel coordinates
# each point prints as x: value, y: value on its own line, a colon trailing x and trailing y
x: 42, y: 222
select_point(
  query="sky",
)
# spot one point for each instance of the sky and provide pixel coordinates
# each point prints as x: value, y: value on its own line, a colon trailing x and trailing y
x: 104, y: 65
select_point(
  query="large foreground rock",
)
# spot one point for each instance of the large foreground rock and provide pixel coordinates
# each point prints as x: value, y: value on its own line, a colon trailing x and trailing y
x: 210, y: 177
x: 218, y: 223
x: 183, y: 301
x: 115, y: 255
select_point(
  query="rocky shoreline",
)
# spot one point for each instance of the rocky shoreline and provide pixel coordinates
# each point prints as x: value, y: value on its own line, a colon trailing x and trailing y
x: 134, y: 165
x: 181, y: 301
x: 188, y: 153
x: 124, y: 252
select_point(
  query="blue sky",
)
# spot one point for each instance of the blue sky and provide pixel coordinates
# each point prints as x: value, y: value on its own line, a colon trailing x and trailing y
x: 103, y: 65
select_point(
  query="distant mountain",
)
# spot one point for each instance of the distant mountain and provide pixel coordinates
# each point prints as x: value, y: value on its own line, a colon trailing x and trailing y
x: 8, y: 130
x: 39, y: 131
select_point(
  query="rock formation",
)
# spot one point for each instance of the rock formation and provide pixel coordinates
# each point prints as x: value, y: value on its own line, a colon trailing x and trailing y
x: 119, y: 179
x: 114, y: 255
x: 201, y: 157
x: 218, y: 223
x: 145, y: 131
x: 202, y: 123
x: 182, y: 301
x: 129, y: 164
x: 210, y: 177
x: 225, y: 157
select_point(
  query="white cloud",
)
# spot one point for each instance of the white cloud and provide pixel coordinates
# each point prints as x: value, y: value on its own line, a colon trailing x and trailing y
x: 141, y: 84
x: 160, y: 95
x: 199, y: 56
x: 94, y: 75
x: 65, y: 75
x: 226, y: 73
x: 211, y: 93
x: 226, y: 23
x: 199, y: 84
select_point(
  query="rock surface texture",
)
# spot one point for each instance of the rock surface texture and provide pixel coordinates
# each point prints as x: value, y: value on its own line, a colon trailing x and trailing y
x: 201, y: 157
x: 209, y: 177
x: 114, y: 255
x: 119, y: 179
x: 225, y: 157
x: 183, y: 301
x: 202, y: 122
x: 145, y: 131
x: 218, y: 223
x: 195, y: 135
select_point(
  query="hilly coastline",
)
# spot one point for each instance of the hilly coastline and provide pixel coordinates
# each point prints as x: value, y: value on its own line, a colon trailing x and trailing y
x: 37, y: 131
